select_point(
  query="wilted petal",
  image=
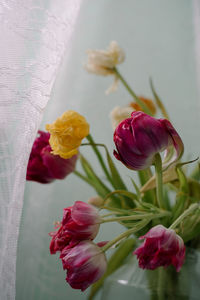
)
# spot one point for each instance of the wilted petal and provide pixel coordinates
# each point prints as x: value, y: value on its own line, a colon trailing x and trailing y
x: 139, y: 138
x: 84, y: 213
x: 178, y: 146
x: 66, y: 133
x: 103, y: 62
x: 119, y: 114
x: 162, y: 247
x: 43, y: 166
x: 80, y: 222
x: 85, y: 264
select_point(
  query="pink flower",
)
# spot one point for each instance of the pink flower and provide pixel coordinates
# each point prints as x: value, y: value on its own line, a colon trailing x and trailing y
x: 162, y: 247
x: 85, y: 264
x: 80, y: 222
x: 45, y: 167
x: 140, y: 137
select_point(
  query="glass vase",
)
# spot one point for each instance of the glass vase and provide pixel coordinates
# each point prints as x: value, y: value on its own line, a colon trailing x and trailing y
x: 132, y: 282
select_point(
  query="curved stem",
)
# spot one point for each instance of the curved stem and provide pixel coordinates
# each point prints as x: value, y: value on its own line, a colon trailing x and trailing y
x: 159, y: 182
x: 137, y: 227
x: 185, y: 214
x: 136, y: 217
x: 137, y: 100
x: 161, y: 283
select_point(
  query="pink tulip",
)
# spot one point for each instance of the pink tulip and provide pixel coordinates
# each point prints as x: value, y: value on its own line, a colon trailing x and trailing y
x: 140, y: 137
x: 45, y: 167
x: 162, y: 247
x: 80, y: 222
x: 85, y: 264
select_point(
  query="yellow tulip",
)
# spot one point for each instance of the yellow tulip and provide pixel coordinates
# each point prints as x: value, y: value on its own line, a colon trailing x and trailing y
x: 67, y: 133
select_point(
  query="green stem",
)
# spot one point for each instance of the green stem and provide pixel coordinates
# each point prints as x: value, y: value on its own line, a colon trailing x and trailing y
x: 108, y: 215
x: 161, y: 283
x: 98, y: 154
x: 144, y: 176
x: 117, y: 210
x: 185, y: 214
x: 159, y: 182
x: 137, y: 100
x: 136, y: 217
x: 139, y: 226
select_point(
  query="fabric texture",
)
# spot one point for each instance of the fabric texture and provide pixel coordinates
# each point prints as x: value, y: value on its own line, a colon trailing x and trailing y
x: 34, y: 36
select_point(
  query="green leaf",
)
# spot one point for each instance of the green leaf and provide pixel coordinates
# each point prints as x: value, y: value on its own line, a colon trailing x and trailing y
x: 117, y: 181
x: 196, y: 173
x: 169, y: 175
x: 144, y: 177
x: 114, y: 263
x: 194, y: 188
x: 99, y: 186
x: 99, y: 157
x: 136, y: 189
x: 182, y: 197
x: 115, y: 177
x: 92, y: 179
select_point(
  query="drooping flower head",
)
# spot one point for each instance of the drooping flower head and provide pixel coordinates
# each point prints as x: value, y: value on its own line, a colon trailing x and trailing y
x: 45, y: 167
x: 140, y: 137
x: 85, y: 264
x: 67, y: 133
x: 162, y: 247
x: 103, y: 62
x: 80, y: 222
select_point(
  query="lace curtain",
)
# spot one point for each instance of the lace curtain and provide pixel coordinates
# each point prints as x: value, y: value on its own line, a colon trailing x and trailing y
x: 34, y: 36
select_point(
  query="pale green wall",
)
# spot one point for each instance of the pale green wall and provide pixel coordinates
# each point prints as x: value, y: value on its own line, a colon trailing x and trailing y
x: 157, y: 36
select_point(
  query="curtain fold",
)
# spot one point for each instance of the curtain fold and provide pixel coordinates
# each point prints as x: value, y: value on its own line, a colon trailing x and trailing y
x: 34, y: 36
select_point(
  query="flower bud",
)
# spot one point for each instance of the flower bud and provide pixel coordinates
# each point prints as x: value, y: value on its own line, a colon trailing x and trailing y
x: 96, y: 201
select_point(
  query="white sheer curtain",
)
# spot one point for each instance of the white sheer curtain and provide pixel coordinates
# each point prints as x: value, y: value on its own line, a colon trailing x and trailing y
x: 34, y: 36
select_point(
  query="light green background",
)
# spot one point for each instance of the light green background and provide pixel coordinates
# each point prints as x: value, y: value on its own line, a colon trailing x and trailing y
x: 158, y: 39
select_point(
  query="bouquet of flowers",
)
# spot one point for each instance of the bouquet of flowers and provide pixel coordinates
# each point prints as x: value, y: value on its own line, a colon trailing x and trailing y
x: 163, y: 210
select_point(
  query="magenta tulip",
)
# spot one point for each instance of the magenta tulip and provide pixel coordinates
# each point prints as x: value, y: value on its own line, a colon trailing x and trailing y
x: 162, y: 247
x: 45, y: 167
x: 80, y: 222
x: 85, y: 264
x: 140, y: 137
